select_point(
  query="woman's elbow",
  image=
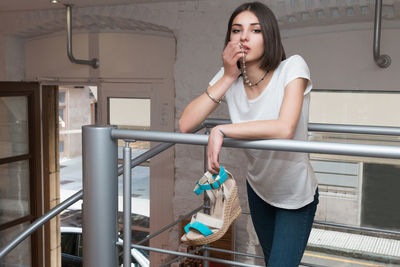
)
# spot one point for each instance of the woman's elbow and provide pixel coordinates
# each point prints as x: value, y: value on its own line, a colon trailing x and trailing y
x: 183, y: 127
x: 288, y: 132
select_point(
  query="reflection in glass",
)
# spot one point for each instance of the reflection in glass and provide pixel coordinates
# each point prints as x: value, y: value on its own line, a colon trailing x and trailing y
x: 14, y: 126
x: 21, y: 255
x: 14, y: 191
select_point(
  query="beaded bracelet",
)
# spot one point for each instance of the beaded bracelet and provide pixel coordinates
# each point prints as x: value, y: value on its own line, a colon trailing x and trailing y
x: 217, y: 101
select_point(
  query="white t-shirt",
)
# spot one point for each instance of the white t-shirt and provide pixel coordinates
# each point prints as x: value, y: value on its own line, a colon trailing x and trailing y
x: 282, y: 179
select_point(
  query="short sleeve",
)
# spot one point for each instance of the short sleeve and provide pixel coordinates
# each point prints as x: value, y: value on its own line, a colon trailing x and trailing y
x: 297, y: 68
x: 217, y: 76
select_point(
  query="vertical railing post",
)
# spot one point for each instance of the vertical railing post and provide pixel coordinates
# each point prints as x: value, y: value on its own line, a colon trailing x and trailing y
x: 127, y: 204
x: 207, y: 204
x: 100, y: 196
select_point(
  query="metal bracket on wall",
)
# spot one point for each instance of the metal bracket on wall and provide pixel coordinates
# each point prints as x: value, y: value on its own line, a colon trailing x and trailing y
x: 382, y: 61
x: 94, y: 62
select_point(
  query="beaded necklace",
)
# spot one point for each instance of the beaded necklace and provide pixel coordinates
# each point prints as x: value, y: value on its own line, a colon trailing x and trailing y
x: 245, y: 77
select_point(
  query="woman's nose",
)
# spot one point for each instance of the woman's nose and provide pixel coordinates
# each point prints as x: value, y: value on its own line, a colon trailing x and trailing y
x: 244, y: 36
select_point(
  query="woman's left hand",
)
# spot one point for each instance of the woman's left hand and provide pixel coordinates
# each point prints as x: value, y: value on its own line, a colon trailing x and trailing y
x: 215, y: 141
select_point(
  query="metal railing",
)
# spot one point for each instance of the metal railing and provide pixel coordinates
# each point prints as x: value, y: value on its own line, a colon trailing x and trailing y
x: 107, y: 136
x: 78, y: 196
x: 100, y: 163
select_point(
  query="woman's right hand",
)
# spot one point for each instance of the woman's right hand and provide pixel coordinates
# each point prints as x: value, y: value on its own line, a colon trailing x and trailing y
x: 231, y: 55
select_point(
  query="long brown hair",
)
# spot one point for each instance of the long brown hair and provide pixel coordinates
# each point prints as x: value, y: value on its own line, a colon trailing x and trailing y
x: 274, y: 52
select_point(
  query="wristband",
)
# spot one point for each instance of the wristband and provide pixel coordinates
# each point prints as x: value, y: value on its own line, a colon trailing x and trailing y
x: 223, y: 134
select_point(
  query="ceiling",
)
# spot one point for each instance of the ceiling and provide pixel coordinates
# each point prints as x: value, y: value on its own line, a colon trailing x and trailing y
x: 29, y: 5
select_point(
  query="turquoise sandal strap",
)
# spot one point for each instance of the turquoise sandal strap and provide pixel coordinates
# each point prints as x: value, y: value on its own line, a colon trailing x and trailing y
x: 200, y: 188
x: 202, y: 228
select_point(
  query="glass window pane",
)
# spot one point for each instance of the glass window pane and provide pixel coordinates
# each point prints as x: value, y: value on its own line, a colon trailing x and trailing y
x: 61, y: 114
x: 80, y: 246
x: 130, y: 112
x: 134, y: 114
x: 61, y: 97
x: 14, y: 133
x: 354, y: 190
x: 140, y: 195
x: 69, y: 243
x: 359, y: 108
x: 19, y: 256
x: 14, y: 191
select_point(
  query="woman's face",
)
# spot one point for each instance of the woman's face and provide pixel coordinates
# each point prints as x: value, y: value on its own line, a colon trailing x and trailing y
x: 246, y: 29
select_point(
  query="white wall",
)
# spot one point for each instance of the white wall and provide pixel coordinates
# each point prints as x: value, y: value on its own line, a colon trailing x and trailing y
x: 11, y: 58
x: 343, y: 58
x: 15, y: 59
x: 3, y: 45
x: 47, y: 57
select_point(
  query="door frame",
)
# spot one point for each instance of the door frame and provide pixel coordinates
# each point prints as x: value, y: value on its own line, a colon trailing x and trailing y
x: 33, y: 92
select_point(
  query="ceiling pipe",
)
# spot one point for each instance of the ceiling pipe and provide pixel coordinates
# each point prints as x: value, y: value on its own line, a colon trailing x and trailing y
x: 382, y: 61
x: 94, y: 62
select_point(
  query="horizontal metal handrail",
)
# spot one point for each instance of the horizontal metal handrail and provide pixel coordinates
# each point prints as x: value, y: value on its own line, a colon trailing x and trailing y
x: 154, y: 151
x: 40, y: 222
x: 193, y: 256
x: 354, y: 129
x: 285, y: 145
x: 251, y: 255
x: 356, y: 228
x: 146, y: 155
x: 334, y: 128
x: 272, y: 144
x: 188, y: 255
x: 170, y: 225
x: 233, y: 252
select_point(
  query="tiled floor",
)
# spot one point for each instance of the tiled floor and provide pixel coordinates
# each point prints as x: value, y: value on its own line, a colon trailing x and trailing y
x: 354, y: 243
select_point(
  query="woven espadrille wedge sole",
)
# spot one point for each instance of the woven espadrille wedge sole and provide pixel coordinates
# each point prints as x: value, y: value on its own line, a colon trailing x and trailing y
x: 225, y: 208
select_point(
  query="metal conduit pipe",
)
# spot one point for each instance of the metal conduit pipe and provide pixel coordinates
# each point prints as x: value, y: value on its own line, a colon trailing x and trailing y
x: 39, y: 222
x: 94, y: 62
x: 382, y: 61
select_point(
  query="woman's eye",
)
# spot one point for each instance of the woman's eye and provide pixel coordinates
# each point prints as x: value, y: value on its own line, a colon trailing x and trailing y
x: 235, y: 30
x: 257, y: 30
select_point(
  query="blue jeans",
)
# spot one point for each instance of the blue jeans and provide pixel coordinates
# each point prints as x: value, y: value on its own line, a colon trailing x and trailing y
x: 283, y: 233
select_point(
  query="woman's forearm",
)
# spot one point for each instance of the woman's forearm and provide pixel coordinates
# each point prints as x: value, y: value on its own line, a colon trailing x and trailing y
x: 198, y: 110
x: 253, y: 130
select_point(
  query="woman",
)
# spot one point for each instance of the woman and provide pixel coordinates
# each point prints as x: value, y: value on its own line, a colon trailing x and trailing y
x: 268, y: 97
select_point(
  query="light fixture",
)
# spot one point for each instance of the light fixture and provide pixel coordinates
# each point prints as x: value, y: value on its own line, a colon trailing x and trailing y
x: 54, y: 1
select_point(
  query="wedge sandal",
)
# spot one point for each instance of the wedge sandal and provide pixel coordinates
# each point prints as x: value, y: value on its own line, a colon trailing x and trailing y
x: 224, y: 209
